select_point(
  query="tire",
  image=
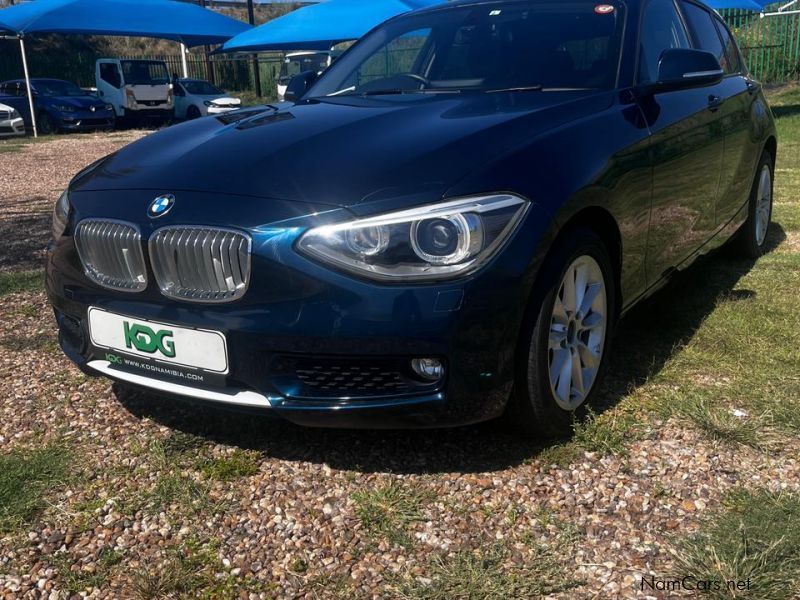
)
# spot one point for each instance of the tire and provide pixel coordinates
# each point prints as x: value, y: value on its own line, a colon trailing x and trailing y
x: 545, y: 407
x: 192, y: 113
x: 44, y: 123
x: 751, y: 239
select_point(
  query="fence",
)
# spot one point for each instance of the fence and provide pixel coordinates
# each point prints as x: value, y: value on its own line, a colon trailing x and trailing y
x: 771, y: 46
x: 232, y: 74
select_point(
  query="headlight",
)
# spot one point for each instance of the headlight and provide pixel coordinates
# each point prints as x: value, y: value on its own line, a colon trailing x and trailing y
x: 109, y: 107
x: 208, y: 102
x: 438, y: 241
x: 15, y: 114
x: 60, y: 215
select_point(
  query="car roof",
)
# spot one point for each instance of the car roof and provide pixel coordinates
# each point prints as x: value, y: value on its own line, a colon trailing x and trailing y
x: 459, y: 3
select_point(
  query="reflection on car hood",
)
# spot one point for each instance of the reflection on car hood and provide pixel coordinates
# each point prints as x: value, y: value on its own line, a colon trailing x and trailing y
x: 77, y: 101
x: 342, y: 150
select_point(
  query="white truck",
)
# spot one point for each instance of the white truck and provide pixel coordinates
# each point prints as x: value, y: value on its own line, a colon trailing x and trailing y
x: 139, y: 90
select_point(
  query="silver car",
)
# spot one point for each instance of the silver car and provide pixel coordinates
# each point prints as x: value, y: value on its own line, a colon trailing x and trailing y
x: 11, y: 123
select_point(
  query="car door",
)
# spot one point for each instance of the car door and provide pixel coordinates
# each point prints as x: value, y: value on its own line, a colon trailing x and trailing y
x: 687, y: 143
x: 737, y: 95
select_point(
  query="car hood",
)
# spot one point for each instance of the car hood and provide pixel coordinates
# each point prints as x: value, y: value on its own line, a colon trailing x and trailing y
x: 222, y: 99
x: 77, y: 101
x: 340, y: 151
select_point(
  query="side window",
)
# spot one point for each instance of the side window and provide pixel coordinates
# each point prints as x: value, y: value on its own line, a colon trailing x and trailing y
x: 731, y: 50
x: 661, y: 30
x: 110, y: 74
x: 704, y: 33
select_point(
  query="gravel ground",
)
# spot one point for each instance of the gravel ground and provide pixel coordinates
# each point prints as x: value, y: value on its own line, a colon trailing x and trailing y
x: 167, y: 499
x: 30, y: 182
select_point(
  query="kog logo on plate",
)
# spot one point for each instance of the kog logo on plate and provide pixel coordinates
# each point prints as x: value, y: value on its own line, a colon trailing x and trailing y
x: 144, y: 339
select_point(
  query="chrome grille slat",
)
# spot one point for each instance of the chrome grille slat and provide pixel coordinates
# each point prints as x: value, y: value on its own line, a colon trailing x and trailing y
x: 111, y: 254
x: 201, y: 264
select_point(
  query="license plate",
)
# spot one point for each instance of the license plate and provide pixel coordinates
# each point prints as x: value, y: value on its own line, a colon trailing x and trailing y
x: 157, y: 343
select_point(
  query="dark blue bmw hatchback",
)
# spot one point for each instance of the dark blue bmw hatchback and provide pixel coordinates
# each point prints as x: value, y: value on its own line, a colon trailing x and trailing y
x: 444, y: 227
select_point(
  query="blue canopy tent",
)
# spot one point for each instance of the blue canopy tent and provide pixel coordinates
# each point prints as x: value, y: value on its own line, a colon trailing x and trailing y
x: 319, y: 26
x: 188, y: 24
x: 754, y: 5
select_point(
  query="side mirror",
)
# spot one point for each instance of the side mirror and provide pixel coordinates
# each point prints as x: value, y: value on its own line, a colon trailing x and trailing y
x: 299, y: 85
x: 681, y: 69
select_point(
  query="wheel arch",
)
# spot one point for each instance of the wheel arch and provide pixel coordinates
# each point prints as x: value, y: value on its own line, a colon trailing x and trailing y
x: 771, y: 146
x: 603, y: 223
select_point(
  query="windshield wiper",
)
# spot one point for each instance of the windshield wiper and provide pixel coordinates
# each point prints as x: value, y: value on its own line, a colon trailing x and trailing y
x: 520, y: 88
x: 397, y: 91
x: 386, y: 92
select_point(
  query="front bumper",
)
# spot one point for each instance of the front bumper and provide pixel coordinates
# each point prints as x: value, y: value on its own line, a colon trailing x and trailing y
x: 164, y: 112
x: 301, y: 324
x: 87, y: 120
x: 12, y: 127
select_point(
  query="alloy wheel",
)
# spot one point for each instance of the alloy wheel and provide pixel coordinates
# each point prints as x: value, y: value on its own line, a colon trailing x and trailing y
x: 763, y: 204
x: 577, y: 332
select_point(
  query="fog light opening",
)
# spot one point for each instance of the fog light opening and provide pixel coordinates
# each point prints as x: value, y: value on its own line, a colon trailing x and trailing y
x: 429, y: 369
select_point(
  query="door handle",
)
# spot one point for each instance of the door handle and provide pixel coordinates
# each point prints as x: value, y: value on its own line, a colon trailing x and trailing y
x: 714, y: 102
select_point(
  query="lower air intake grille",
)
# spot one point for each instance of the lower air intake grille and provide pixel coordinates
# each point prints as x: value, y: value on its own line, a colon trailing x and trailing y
x: 111, y: 253
x: 201, y: 264
x: 329, y: 377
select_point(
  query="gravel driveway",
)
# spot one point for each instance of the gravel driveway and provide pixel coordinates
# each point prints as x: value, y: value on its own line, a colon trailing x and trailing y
x: 146, y: 498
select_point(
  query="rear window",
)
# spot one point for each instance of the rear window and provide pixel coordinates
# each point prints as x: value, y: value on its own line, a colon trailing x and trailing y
x: 731, y: 51
x: 705, y: 34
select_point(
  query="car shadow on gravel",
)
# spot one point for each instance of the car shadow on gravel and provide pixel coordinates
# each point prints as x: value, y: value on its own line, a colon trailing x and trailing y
x: 649, y: 335
x: 24, y: 236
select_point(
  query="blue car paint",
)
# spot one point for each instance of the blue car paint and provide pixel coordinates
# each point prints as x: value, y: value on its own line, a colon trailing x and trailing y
x: 89, y: 112
x: 577, y: 156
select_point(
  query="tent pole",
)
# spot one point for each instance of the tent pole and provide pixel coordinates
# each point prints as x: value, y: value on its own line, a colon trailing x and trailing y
x: 28, y: 85
x: 183, y: 60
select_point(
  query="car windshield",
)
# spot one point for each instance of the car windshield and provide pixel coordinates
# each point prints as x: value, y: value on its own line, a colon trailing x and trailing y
x: 55, y: 87
x: 300, y: 63
x: 514, y: 46
x: 145, y: 72
x: 201, y: 88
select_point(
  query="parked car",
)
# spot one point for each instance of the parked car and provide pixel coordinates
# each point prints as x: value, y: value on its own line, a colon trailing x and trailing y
x: 139, y: 90
x: 301, y: 62
x: 430, y: 240
x: 198, y: 98
x: 59, y: 105
x: 11, y: 123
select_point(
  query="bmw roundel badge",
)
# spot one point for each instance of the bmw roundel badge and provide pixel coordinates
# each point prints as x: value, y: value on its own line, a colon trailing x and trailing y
x: 161, y: 206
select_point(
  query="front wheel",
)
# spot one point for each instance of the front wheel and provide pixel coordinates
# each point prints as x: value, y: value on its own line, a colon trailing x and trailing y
x: 563, y: 351
x: 45, y: 123
x: 192, y: 113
